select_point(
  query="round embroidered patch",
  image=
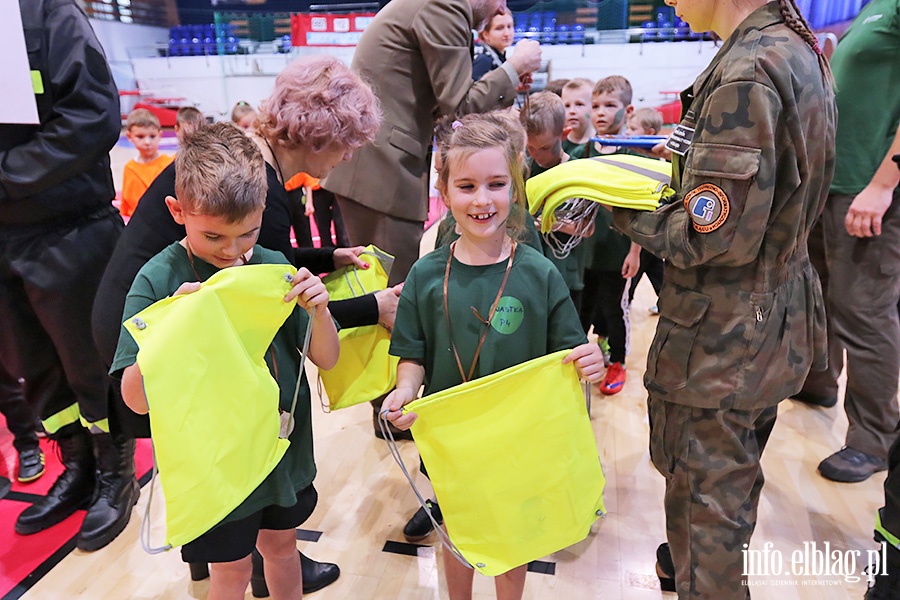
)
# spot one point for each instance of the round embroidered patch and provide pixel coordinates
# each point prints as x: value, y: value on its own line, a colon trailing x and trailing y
x: 707, y: 206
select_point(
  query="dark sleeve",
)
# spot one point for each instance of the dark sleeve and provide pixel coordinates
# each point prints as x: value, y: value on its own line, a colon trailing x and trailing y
x: 149, y: 231
x: 355, y: 312
x: 275, y: 232
x: 408, y: 336
x: 481, y: 66
x: 730, y: 169
x: 84, y: 121
x: 139, y: 297
x: 317, y: 260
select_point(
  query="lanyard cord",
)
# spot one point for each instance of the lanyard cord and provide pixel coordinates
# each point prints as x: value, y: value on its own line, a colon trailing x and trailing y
x: 485, y: 322
x: 275, y: 158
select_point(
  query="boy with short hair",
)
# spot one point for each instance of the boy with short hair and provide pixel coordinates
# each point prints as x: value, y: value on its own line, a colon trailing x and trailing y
x: 143, y: 130
x: 612, y: 258
x: 545, y: 127
x: 221, y: 189
x: 576, y: 96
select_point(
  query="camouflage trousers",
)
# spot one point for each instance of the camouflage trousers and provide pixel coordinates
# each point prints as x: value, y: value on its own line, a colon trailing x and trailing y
x: 710, y: 459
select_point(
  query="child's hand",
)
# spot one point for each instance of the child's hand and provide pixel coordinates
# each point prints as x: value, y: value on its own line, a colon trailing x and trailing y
x: 308, y: 290
x: 397, y: 400
x: 188, y: 287
x: 588, y: 359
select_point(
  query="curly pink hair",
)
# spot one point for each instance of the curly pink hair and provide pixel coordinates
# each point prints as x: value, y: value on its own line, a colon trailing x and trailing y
x: 319, y: 103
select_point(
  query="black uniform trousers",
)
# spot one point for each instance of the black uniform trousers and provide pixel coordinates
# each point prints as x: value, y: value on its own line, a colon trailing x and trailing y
x: 48, y: 280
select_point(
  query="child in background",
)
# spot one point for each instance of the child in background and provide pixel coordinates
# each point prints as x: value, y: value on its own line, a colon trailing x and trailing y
x: 244, y: 116
x: 222, y: 221
x: 481, y: 182
x: 545, y: 126
x: 612, y: 258
x: 576, y: 96
x: 556, y: 86
x: 646, y: 121
x: 142, y: 129
x: 187, y: 120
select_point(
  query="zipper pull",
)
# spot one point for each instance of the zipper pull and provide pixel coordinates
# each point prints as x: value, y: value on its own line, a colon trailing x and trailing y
x: 758, y: 314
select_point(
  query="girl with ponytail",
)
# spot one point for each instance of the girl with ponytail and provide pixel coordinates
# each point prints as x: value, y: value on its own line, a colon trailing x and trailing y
x: 741, y: 310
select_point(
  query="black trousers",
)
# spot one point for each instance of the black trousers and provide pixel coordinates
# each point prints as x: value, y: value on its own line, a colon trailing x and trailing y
x: 48, y: 279
x: 327, y: 211
x: 890, y: 514
x: 20, y: 416
x: 653, y: 266
x: 602, y: 305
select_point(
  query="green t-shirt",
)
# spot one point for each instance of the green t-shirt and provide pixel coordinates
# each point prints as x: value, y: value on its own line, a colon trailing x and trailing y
x: 866, y: 67
x: 535, y: 316
x: 159, y: 279
x: 607, y: 248
x: 574, y: 150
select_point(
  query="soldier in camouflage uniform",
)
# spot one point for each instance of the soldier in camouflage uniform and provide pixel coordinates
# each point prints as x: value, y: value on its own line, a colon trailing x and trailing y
x: 741, y: 308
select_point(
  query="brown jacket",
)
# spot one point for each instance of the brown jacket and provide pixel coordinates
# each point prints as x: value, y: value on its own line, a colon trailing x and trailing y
x: 417, y: 55
x: 741, y: 309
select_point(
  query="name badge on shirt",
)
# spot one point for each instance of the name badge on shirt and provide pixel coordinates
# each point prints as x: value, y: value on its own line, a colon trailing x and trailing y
x: 680, y: 140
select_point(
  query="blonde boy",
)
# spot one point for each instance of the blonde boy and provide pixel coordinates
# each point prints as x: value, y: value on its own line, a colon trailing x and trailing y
x: 610, y: 110
x: 142, y: 129
x: 544, y: 124
x: 576, y: 96
x: 221, y: 194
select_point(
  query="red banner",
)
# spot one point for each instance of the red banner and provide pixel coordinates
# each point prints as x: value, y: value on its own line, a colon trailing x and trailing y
x: 327, y: 29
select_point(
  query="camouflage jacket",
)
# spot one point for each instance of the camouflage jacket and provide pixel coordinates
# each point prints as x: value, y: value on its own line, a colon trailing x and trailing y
x: 741, y: 308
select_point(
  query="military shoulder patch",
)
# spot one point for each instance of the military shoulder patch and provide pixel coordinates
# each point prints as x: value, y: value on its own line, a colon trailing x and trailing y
x: 707, y: 206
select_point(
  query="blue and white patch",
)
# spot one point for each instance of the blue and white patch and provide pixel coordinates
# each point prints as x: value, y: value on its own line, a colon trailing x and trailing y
x: 708, y: 207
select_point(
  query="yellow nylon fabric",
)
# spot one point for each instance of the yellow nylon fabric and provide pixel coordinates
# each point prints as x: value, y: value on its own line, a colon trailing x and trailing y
x: 364, y: 370
x: 513, y: 462
x: 213, y: 404
x: 619, y: 180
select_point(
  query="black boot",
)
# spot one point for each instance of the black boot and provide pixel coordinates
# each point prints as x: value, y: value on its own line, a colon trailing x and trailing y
x: 316, y: 575
x: 116, y: 493
x: 665, y: 568
x: 4, y: 486
x: 420, y: 526
x: 886, y: 586
x: 72, y: 490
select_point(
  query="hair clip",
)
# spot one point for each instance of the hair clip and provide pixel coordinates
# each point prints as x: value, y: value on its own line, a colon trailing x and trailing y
x: 456, y: 124
x: 816, y: 48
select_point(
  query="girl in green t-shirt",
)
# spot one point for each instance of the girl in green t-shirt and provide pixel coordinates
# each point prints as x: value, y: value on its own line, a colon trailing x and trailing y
x: 481, y: 182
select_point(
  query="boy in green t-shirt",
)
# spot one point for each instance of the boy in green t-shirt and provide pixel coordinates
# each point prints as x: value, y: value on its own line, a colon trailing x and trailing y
x: 221, y: 190
x: 611, y: 257
x: 546, y: 129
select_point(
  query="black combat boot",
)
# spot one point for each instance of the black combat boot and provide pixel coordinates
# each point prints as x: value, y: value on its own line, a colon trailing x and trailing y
x: 116, y: 493
x: 72, y: 490
x: 886, y: 586
x: 316, y: 575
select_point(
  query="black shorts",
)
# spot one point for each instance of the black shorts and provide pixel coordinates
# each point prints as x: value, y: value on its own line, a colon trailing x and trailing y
x: 236, y: 539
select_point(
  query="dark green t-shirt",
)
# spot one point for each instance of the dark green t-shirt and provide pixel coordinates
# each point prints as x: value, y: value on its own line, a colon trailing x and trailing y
x: 866, y: 67
x: 535, y: 316
x: 574, y: 150
x: 159, y: 279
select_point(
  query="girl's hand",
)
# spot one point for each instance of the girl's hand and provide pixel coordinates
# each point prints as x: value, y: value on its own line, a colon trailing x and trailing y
x: 588, y: 359
x: 308, y: 290
x: 188, y: 287
x: 394, y: 402
x: 343, y: 257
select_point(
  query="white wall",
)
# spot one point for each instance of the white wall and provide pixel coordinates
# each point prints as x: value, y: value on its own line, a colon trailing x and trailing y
x: 122, y: 41
x: 215, y: 83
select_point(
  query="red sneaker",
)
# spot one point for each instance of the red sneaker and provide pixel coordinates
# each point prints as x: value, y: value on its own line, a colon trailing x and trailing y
x: 614, y: 380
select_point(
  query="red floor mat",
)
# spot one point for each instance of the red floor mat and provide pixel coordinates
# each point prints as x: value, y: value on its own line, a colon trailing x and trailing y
x: 24, y: 559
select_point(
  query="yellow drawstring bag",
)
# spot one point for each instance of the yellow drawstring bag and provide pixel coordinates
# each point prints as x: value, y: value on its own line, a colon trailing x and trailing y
x: 619, y: 180
x: 213, y: 404
x: 364, y: 370
x: 513, y: 462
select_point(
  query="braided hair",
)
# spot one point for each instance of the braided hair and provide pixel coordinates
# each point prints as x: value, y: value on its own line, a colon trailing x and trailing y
x: 795, y: 21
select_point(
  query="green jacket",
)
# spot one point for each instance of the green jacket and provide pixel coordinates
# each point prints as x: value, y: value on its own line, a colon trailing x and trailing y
x: 741, y: 309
